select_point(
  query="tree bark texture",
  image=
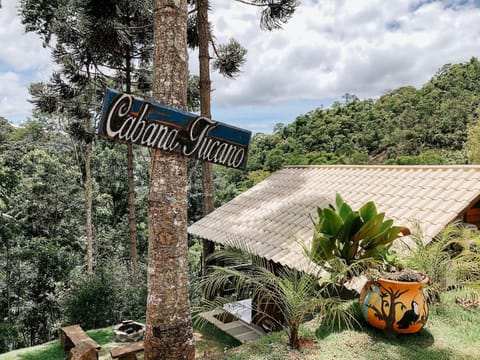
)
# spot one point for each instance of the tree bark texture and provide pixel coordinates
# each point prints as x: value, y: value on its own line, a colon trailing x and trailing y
x: 132, y: 225
x: 205, y: 110
x: 169, y: 326
x: 131, y: 211
x: 88, y: 207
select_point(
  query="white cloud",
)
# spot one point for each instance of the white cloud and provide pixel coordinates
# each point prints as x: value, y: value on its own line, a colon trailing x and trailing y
x: 23, y: 60
x: 22, y: 51
x: 329, y: 48
x: 13, y: 95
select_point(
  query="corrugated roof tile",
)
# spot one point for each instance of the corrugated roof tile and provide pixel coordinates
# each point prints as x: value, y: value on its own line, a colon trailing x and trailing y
x: 273, y: 216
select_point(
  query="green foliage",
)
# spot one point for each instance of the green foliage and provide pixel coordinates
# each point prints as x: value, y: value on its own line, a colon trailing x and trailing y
x: 452, y: 259
x: 31, y: 131
x: 47, y: 266
x: 230, y: 58
x: 42, y: 230
x: 452, y: 334
x: 106, y: 297
x: 50, y: 198
x: 5, y: 130
x: 293, y: 294
x: 473, y: 143
x: 341, y: 233
x: 8, y: 335
x: 404, y: 126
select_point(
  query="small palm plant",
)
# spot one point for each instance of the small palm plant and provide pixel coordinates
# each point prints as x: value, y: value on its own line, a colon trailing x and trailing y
x: 293, y: 294
x: 452, y: 258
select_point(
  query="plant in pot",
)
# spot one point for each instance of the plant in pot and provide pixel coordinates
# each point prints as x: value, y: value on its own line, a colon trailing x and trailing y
x: 361, y: 241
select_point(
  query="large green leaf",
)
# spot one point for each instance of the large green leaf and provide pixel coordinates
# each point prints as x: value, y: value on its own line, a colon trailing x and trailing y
x: 339, y: 201
x: 347, y: 235
x: 370, y: 228
x: 368, y: 211
x: 344, y: 211
x: 378, y: 237
x: 343, y: 208
x: 331, y: 222
x: 351, y: 225
x: 386, y: 238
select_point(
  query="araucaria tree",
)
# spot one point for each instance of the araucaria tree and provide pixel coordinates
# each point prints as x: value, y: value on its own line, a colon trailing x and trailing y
x: 228, y: 59
x: 106, y: 42
x: 169, y: 330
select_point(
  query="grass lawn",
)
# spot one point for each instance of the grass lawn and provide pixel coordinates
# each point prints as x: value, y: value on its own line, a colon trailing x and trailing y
x: 451, y: 333
x: 209, y: 342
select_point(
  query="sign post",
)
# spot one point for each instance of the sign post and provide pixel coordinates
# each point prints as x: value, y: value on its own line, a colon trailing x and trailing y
x: 129, y: 119
x: 173, y: 135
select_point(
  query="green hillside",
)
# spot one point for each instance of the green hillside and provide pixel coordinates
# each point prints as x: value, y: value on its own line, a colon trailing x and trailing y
x: 403, y: 122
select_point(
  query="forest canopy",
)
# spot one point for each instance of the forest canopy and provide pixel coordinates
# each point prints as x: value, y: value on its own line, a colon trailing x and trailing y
x: 43, y: 278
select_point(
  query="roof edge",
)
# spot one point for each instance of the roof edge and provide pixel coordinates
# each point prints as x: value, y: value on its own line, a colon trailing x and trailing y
x: 387, y: 166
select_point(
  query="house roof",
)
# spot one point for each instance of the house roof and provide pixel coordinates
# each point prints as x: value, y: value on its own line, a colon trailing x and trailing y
x: 272, y: 218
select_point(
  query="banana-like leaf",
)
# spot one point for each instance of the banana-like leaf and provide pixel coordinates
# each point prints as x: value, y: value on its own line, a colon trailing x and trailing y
x: 351, y: 226
x: 331, y: 222
x: 385, y: 238
x: 386, y: 224
x: 378, y: 238
x: 353, y: 235
x: 368, y: 211
x: 370, y: 228
x: 343, y: 208
x: 344, y: 211
x: 339, y: 201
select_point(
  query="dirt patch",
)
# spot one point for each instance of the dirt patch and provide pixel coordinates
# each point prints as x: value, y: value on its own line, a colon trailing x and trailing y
x: 306, y: 343
x: 406, y: 275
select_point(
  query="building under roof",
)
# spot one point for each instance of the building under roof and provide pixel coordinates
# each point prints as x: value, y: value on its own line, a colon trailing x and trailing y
x: 272, y: 218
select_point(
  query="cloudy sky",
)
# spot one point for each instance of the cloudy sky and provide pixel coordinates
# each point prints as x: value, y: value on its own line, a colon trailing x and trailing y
x: 327, y: 49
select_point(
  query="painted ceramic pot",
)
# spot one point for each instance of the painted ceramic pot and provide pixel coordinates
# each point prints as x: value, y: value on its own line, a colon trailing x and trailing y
x: 395, y: 306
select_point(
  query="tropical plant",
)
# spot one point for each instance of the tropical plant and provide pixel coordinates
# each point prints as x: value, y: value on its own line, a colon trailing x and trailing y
x: 291, y: 294
x: 353, y: 236
x: 451, y: 259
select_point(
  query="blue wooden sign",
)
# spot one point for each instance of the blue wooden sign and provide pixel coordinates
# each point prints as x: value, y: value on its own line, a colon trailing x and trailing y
x: 129, y: 119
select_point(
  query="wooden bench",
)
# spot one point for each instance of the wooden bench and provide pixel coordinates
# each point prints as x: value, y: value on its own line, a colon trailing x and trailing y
x: 71, y: 336
x: 127, y: 352
x: 81, y: 346
x: 83, y: 351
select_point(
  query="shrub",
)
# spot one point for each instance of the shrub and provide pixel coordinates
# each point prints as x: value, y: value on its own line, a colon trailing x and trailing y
x: 451, y: 259
x: 106, y: 297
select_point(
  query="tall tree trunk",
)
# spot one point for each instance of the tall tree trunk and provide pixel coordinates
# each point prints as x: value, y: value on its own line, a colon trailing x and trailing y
x: 169, y: 325
x: 205, y: 110
x: 131, y: 183
x: 88, y: 205
x: 132, y: 226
